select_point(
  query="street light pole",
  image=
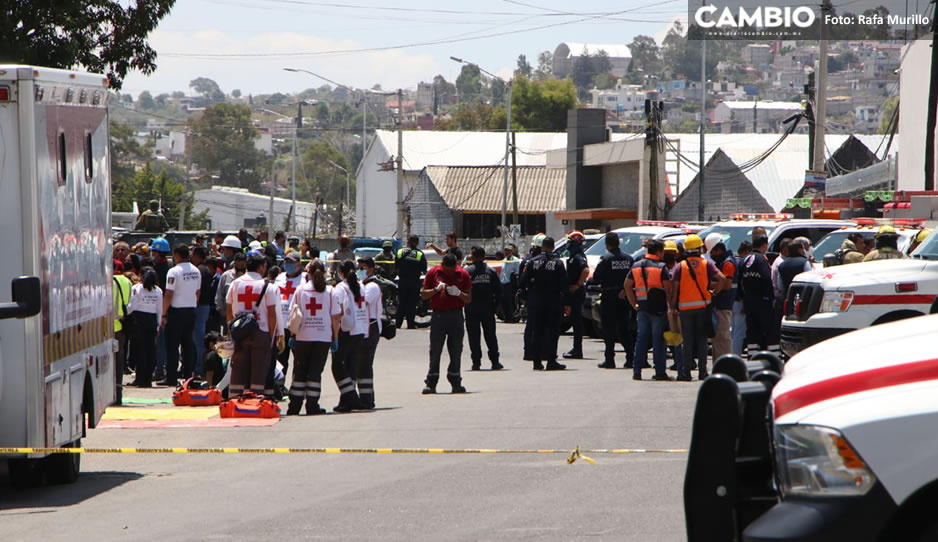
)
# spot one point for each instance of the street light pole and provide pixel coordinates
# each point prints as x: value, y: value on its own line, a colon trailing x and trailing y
x: 348, y: 183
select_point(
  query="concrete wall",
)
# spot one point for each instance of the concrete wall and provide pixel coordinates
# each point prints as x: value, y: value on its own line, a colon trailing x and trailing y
x: 584, y: 127
x: 620, y: 185
x: 229, y: 209
x: 913, y: 89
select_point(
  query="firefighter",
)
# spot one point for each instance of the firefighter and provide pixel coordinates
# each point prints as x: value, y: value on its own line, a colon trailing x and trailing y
x: 152, y: 220
x: 610, y: 274
x: 577, y: 273
x: 919, y: 239
x: 480, y: 312
x: 886, y: 246
x: 411, y: 265
x: 691, y: 295
x: 648, y: 288
x: 762, y: 329
x: 545, y: 279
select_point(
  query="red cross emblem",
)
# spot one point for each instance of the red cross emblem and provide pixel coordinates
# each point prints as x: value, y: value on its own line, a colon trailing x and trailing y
x: 360, y: 301
x: 249, y: 298
x: 287, y: 291
x: 313, y: 306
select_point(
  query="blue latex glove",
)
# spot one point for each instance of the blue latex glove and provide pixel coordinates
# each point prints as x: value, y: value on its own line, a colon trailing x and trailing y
x: 291, y: 343
x: 335, y: 346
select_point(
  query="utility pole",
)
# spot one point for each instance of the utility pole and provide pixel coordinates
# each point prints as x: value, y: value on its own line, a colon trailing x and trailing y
x: 820, y: 93
x: 364, y: 208
x: 755, y: 114
x: 273, y: 186
x: 182, y: 203
x: 703, y: 110
x: 514, y: 179
x: 932, y: 116
x: 400, y: 164
x: 299, y: 124
x: 508, y: 148
x: 652, y: 130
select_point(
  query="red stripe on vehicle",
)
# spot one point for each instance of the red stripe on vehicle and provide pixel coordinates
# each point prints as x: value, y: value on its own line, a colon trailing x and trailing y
x: 893, y: 299
x: 882, y: 377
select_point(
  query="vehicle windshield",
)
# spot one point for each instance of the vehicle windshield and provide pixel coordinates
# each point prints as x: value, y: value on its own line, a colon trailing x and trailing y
x: 564, y: 250
x: 830, y: 243
x: 733, y: 235
x: 928, y: 250
x: 629, y: 242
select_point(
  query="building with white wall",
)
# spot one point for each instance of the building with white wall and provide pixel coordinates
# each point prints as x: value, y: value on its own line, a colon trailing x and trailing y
x: 620, y: 98
x: 913, y: 89
x: 229, y: 207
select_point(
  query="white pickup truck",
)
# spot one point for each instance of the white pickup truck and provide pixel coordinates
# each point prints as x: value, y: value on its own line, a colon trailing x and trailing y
x: 831, y: 301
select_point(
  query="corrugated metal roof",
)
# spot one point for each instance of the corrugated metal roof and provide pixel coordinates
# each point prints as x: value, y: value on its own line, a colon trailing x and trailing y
x: 479, y: 189
x: 426, y: 148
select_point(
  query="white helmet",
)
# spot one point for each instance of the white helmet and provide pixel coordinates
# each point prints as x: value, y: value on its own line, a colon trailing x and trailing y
x: 232, y: 242
x: 712, y: 240
x: 255, y: 245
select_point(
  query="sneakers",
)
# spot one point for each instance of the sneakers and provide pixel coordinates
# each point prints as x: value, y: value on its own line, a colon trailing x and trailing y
x: 496, y: 366
x: 458, y: 388
x: 573, y: 354
x: 609, y: 365
x: 662, y: 378
x: 554, y: 366
x: 429, y: 390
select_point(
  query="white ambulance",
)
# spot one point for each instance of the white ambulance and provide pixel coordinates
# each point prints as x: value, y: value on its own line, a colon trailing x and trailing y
x: 831, y: 301
x: 57, y: 371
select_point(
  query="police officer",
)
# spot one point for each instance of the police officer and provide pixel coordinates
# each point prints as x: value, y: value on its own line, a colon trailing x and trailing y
x: 410, y: 265
x: 528, y: 325
x: 486, y: 289
x: 545, y: 279
x: 886, y: 246
x: 610, y: 274
x: 577, y: 273
x: 762, y: 329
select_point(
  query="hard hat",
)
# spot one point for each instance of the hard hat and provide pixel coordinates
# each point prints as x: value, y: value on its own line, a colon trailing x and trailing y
x: 575, y: 236
x: 255, y: 252
x: 232, y: 241
x: 255, y: 245
x: 692, y: 242
x: 672, y: 338
x: 387, y: 244
x: 922, y: 235
x: 886, y: 230
x: 712, y: 240
x: 538, y: 239
x: 670, y: 245
x: 160, y: 245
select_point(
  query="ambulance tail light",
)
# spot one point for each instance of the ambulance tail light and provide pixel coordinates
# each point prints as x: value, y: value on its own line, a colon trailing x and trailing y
x: 818, y: 461
x: 906, y: 287
x: 4, y: 93
x: 836, y: 301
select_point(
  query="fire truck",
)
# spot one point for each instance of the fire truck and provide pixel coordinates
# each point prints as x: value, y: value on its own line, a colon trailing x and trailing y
x: 57, y: 370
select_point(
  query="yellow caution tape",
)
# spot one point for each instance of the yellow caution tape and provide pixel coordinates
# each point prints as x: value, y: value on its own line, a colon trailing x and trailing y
x: 578, y: 455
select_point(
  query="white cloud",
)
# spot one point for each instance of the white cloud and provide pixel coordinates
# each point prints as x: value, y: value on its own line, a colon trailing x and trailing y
x: 392, y: 68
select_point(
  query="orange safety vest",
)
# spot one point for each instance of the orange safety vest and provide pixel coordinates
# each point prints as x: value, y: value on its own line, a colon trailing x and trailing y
x: 693, y: 296
x: 652, y: 271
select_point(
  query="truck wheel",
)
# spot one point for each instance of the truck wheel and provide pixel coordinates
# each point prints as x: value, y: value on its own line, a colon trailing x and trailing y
x: 896, y: 316
x: 64, y: 468
x: 25, y: 473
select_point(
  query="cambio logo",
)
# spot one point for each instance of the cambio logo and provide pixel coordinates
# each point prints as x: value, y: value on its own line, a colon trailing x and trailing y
x: 760, y: 17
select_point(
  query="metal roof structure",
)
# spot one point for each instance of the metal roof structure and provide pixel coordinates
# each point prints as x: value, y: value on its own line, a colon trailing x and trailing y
x: 479, y: 189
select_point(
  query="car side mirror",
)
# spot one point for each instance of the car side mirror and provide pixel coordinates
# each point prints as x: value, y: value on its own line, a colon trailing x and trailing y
x: 27, y: 299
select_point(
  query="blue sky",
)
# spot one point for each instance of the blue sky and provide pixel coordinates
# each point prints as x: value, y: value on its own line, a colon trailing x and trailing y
x: 244, y: 44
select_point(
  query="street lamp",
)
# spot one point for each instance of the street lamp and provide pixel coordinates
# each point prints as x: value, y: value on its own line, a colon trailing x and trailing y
x: 507, y: 144
x: 348, y: 183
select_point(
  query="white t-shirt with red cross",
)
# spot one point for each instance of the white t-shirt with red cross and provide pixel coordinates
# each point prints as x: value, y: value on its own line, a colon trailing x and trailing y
x: 354, y: 313
x: 373, y: 297
x: 244, y: 294
x: 288, y: 286
x: 318, y: 309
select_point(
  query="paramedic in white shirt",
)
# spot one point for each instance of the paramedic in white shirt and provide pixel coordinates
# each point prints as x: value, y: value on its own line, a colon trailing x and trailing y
x: 350, y: 295
x: 145, y: 307
x: 183, y: 283
x: 366, y: 359
x: 250, y: 362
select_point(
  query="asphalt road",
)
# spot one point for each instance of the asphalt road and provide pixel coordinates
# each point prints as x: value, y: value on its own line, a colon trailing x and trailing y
x: 397, y: 497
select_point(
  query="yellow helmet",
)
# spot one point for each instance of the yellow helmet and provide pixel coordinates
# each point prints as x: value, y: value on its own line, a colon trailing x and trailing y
x: 886, y: 230
x: 922, y: 235
x: 692, y: 242
x: 670, y: 245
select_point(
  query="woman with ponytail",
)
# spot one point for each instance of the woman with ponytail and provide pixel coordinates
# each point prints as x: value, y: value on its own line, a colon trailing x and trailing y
x: 318, y: 332
x: 352, y: 330
x: 146, y: 303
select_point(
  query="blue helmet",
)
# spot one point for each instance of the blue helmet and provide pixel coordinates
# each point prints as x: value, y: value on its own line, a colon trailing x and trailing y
x: 160, y: 245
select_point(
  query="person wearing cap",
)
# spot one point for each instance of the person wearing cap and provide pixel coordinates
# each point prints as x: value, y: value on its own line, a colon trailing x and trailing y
x: 669, y: 257
x: 528, y: 328
x: 152, y: 220
x: 410, y: 264
x: 449, y: 289
x: 159, y: 249
x: 577, y: 273
x: 611, y: 271
x: 722, y: 343
x: 480, y: 312
x: 288, y: 283
x: 762, y: 328
x: 228, y: 248
x: 545, y: 279
x: 385, y: 260
x: 695, y: 282
x: 887, y: 241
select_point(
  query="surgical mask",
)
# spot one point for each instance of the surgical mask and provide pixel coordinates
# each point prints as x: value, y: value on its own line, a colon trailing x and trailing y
x: 289, y: 267
x: 362, y: 274
x: 669, y: 257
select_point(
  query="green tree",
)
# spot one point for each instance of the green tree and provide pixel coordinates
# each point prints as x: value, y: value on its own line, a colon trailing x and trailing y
x: 236, y: 93
x: 645, y: 54
x: 497, y: 89
x: 209, y: 89
x: 545, y: 66
x: 524, y: 69
x: 542, y: 106
x: 469, y: 83
x: 178, y: 95
x: 601, y: 62
x: 223, y: 142
x: 889, y: 109
x: 161, y: 99
x: 604, y: 81
x: 145, y: 100
x: 101, y: 36
x: 322, y: 178
x: 125, y: 153
x: 145, y: 185
x: 475, y: 117
x: 443, y: 92
x: 583, y: 72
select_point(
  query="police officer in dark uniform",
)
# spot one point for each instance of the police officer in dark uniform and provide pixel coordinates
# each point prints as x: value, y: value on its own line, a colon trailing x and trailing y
x: 545, y: 279
x: 577, y: 273
x: 762, y: 329
x: 480, y: 312
x: 527, y: 294
x: 610, y: 274
x: 410, y: 264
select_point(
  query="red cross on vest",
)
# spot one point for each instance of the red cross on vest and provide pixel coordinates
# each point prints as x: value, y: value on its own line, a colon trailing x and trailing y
x: 287, y: 291
x: 313, y: 306
x: 249, y: 298
x: 359, y: 302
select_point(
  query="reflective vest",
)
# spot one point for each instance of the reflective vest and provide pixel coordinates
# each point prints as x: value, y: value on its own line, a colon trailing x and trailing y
x: 652, y: 268
x: 693, y: 296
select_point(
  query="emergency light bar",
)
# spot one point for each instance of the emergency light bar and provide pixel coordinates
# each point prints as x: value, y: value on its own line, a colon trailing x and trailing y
x: 763, y: 216
x: 867, y: 221
x: 663, y: 223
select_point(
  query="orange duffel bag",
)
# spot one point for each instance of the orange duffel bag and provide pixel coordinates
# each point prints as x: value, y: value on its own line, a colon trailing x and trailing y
x: 249, y: 405
x: 196, y: 393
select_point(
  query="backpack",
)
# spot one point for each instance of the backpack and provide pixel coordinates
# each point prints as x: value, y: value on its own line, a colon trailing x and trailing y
x: 840, y: 253
x: 153, y: 222
x: 245, y: 323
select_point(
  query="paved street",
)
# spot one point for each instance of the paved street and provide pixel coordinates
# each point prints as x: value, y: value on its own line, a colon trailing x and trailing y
x: 397, y: 497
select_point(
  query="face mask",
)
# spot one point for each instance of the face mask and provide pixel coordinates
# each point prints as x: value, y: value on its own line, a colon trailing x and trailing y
x: 289, y: 267
x: 362, y: 275
x: 668, y: 258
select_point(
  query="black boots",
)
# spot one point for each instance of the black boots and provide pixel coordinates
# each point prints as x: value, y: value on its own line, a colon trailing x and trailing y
x: 573, y: 354
x: 294, y: 407
x: 348, y: 402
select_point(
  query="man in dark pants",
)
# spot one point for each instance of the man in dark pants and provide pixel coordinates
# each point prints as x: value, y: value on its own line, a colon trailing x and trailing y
x: 486, y: 289
x: 183, y: 284
x: 762, y: 330
x: 530, y: 303
x: 545, y: 279
x: 410, y: 264
x: 449, y: 289
x: 610, y: 274
x: 577, y: 273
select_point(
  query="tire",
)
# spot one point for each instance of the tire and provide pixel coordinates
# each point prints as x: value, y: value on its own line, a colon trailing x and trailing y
x: 63, y: 468
x: 25, y: 473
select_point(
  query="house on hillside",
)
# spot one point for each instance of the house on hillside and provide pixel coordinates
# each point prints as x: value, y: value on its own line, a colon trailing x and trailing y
x: 567, y: 53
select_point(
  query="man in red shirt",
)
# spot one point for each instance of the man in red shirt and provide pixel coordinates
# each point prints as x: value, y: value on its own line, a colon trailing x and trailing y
x: 449, y: 288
